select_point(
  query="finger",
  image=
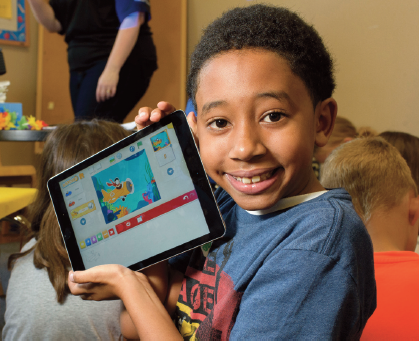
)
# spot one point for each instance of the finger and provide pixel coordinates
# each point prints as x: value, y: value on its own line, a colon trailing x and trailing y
x: 112, y: 91
x: 102, y: 94
x: 86, y: 297
x: 143, y: 118
x: 98, y: 93
x: 166, y: 107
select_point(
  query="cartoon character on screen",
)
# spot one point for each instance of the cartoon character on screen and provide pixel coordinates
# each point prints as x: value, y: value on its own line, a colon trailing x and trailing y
x: 115, y: 183
x: 156, y: 143
x: 121, y: 190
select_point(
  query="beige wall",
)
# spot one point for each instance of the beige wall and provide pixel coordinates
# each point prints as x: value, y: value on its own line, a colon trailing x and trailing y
x: 375, y: 47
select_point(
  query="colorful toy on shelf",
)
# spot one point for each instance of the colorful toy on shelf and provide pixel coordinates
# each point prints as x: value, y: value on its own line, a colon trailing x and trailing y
x: 11, y: 121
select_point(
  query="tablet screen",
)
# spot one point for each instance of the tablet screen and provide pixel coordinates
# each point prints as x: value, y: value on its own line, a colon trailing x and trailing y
x: 135, y: 203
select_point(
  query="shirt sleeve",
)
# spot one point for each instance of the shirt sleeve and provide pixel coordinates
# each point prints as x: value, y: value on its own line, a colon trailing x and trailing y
x: 309, y: 297
x: 124, y: 8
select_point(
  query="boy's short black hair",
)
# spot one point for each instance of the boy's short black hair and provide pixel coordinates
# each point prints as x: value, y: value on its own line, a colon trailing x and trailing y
x: 272, y: 28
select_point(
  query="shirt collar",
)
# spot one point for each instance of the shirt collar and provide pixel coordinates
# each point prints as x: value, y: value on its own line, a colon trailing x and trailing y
x: 288, y: 202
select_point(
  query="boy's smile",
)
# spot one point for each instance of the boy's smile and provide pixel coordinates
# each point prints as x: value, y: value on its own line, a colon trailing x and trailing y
x: 257, y: 127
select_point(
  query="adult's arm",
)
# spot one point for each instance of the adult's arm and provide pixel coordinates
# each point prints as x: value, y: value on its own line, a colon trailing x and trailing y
x: 45, y: 15
x: 124, y: 43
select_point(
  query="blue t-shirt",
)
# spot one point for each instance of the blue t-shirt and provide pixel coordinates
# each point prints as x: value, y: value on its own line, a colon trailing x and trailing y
x: 302, y: 273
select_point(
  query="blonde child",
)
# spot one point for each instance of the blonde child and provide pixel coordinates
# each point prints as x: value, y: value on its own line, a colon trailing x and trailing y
x: 343, y: 131
x: 386, y: 198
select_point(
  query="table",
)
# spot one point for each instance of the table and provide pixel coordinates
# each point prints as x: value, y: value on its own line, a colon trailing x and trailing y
x: 13, y: 199
x: 24, y: 135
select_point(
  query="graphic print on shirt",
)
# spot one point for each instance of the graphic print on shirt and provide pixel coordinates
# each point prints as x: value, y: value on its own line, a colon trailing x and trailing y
x: 208, y: 304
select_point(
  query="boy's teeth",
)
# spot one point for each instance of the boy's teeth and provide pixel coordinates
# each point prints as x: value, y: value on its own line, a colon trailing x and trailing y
x: 255, y: 179
x: 246, y: 180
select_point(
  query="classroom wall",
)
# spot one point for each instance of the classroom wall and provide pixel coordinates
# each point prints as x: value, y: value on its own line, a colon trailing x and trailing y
x: 21, y: 65
x: 375, y: 47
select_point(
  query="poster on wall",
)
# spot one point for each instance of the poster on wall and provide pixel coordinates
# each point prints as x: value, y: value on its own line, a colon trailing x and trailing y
x: 14, y: 29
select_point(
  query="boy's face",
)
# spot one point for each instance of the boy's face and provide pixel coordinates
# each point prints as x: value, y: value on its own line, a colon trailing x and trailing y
x: 257, y: 127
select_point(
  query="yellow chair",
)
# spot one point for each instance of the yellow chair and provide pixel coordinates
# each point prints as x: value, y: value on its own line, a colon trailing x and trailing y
x: 13, y: 199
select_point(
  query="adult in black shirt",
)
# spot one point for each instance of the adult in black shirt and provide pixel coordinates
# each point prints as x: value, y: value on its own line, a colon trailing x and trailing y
x: 111, y: 54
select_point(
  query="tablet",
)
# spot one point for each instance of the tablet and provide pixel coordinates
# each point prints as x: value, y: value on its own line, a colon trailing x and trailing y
x: 142, y: 200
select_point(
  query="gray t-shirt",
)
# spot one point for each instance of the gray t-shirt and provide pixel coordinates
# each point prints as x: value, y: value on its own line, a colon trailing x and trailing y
x: 33, y: 313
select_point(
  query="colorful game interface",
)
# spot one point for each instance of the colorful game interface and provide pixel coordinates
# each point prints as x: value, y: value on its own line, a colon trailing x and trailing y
x: 126, y: 186
x: 160, y: 141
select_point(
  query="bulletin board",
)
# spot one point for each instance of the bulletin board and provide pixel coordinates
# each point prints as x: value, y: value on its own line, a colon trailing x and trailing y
x: 14, y: 28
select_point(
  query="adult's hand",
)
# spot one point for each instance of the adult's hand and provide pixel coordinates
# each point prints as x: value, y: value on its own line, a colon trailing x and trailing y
x: 106, y: 85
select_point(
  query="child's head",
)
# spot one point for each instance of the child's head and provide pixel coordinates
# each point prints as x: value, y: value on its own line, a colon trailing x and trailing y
x: 343, y: 131
x: 261, y: 80
x: 64, y: 147
x: 273, y: 29
x: 408, y: 146
x: 372, y: 171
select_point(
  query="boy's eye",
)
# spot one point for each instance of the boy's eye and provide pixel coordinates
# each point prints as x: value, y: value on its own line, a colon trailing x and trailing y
x: 219, y: 123
x: 273, y: 117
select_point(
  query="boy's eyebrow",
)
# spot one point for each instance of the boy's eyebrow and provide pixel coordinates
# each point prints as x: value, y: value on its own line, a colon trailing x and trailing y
x: 281, y: 95
x: 208, y: 106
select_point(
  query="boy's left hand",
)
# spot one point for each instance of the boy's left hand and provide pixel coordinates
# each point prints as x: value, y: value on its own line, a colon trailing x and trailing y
x: 105, y: 282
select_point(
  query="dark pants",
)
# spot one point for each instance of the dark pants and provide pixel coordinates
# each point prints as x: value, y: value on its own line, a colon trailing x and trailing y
x: 133, y: 83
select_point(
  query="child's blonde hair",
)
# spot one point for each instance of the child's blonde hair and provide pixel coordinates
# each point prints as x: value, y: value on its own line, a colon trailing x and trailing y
x: 408, y: 146
x: 344, y: 128
x: 372, y: 171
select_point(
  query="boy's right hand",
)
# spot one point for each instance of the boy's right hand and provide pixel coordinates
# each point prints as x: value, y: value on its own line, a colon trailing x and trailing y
x: 147, y: 116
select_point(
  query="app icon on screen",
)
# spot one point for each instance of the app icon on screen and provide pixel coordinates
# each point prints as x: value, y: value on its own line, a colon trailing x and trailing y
x: 111, y: 232
x: 99, y: 237
x: 82, y: 244
x: 88, y: 242
x: 105, y: 234
x: 94, y: 239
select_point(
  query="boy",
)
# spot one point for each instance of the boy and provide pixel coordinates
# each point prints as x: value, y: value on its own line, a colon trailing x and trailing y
x: 296, y: 261
x: 385, y: 197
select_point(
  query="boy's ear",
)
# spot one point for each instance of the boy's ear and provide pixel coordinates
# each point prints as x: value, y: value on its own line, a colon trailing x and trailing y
x: 325, y: 115
x: 413, y: 210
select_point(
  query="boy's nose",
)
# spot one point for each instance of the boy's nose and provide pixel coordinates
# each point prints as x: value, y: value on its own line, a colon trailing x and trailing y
x: 246, y: 144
